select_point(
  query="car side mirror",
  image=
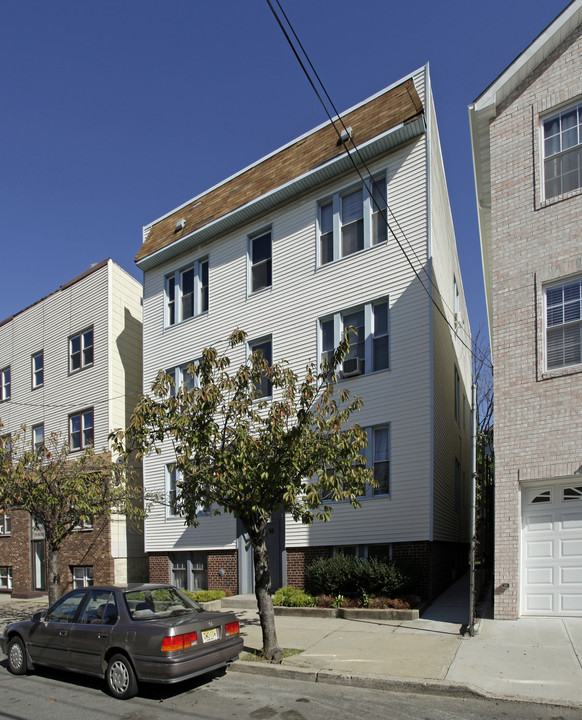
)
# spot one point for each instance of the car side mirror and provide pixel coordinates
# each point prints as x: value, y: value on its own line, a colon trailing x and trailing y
x: 38, y: 616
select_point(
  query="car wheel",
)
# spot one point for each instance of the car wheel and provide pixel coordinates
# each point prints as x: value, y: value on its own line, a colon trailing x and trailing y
x: 17, y: 657
x: 121, y: 679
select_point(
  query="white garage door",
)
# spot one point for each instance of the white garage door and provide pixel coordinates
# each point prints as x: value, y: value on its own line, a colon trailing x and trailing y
x: 552, y: 550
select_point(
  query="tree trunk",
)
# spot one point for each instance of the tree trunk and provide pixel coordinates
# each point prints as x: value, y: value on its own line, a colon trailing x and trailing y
x: 53, y: 575
x: 271, y: 650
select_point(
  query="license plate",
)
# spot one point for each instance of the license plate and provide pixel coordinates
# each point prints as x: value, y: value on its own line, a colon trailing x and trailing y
x: 209, y: 635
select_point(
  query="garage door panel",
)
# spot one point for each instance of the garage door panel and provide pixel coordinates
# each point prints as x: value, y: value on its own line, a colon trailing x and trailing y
x: 572, y: 520
x: 571, y: 603
x: 540, y: 576
x: 571, y: 576
x: 537, y: 549
x: 540, y: 602
x: 540, y: 523
x: 571, y: 548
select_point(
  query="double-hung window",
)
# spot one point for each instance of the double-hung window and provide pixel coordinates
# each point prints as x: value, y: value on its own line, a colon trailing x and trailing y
x: 563, y: 313
x: 5, y: 577
x: 352, y: 220
x: 260, y: 261
x: 562, y: 150
x: 37, y: 370
x: 82, y: 576
x: 369, y: 337
x: 5, y: 524
x: 5, y: 384
x: 265, y: 348
x: 81, y: 350
x: 81, y: 430
x: 182, y: 378
x: 380, y: 440
x: 173, y: 479
x: 187, y: 292
x: 37, y: 437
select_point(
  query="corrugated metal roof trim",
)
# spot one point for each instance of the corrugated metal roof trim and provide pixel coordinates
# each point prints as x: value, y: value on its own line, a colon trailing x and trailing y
x: 377, y: 146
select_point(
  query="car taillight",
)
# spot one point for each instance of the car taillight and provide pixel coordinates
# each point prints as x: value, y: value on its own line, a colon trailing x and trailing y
x: 232, y: 628
x: 178, y: 642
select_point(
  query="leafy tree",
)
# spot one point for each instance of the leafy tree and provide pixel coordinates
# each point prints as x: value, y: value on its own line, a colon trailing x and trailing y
x: 241, y: 451
x: 61, y: 490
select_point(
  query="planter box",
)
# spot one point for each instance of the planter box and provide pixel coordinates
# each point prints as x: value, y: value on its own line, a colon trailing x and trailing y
x: 348, y: 613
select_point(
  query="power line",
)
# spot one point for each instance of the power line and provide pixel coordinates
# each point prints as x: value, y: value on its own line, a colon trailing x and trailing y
x: 362, y: 161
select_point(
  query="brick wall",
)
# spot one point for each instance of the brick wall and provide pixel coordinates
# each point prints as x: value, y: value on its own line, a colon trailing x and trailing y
x: 89, y: 548
x: 159, y: 568
x: 538, y: 423
x: 226, y: 560
x: 297, y: 561
x: 15, y: 551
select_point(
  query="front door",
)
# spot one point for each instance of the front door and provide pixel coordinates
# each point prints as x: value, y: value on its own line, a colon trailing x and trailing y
x: 275, y: 547
x: 38, y: 565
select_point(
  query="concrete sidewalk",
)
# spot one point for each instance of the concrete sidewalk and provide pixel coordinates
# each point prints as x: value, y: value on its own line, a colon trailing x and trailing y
x: 536, y: 659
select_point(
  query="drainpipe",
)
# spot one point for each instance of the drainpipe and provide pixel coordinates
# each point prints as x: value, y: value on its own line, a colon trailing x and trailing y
x: 471, y: 625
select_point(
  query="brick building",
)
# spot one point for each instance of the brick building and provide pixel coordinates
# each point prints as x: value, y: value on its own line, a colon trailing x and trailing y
x: 71, y: 364
x: 527, y: 149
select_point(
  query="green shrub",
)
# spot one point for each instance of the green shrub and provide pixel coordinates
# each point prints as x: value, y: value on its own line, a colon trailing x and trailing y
x: 289, y: 596
x: 353, y: 576
x: 206, y: 595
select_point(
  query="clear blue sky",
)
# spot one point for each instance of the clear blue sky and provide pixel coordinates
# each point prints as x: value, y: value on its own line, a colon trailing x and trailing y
x: 116, y: 111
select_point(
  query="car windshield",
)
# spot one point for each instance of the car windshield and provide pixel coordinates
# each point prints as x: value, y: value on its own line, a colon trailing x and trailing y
x: 152, y: 603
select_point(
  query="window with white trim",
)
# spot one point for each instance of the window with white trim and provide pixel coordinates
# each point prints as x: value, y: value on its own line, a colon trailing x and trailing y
x: 81, y: 430
x: 189, y: 571
x: 186, y: 292
x: 379, y: 437
x: 37, y: 437
x: 5, y: 384
x: 369, y: 339
x: 265, y: 347
x: 82, y: 576
x: 5, y: 523
x: 5, y: 577
x: 37, y: 370
x: 352, y: 220
x: 182, y: 378
x: 562, y: 151
x: 81, y: 350
x: 260, y: 261
x: 173, y: 478
x: 563, y: 316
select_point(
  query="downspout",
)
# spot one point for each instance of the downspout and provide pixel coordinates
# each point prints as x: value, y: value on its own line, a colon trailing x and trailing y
x: 471, y: 624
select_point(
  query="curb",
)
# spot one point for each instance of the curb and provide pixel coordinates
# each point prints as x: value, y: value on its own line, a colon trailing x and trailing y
x: 387, y: 684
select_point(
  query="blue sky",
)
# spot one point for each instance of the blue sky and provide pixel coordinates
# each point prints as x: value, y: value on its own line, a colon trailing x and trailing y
x: 116, y: 111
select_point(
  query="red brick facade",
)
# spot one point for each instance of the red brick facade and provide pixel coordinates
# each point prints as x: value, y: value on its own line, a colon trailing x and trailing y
x: 86, y: 548
x: 226, y: 560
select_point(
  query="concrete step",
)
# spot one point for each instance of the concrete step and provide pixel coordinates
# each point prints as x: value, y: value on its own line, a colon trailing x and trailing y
x: 241, y: 602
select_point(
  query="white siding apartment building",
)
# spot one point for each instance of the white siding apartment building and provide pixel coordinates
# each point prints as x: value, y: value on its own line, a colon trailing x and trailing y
x: 71, y: 364
x: 291, y: 250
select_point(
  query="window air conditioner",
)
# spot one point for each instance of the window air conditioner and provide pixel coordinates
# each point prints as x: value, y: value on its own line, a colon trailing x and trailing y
x: 352, y: 367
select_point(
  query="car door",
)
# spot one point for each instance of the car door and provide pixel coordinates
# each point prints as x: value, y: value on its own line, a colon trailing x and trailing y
x: 48, y: 640
x: 91, y: 634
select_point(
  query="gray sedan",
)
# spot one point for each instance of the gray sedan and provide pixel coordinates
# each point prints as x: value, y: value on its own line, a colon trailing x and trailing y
x: 149, y: 633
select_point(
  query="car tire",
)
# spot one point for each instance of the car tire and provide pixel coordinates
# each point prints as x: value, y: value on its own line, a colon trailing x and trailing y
x: 17, y: 656
x: 120, y: 676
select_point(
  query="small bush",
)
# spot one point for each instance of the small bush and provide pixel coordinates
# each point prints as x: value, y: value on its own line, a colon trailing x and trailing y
x: 206, y: 595
x: 289, y: 596
x: 353, y: 576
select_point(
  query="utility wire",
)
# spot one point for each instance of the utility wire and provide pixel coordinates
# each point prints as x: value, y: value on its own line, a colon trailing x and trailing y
x: 363, y: 163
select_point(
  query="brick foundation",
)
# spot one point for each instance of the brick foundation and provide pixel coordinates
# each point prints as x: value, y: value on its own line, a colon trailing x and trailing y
x: 159, y: 568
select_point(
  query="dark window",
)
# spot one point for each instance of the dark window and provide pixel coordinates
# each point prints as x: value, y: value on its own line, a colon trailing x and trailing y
x: 261, y: 261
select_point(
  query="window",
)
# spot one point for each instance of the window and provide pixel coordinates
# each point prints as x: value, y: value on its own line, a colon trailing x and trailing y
x: 182, y: 378
x: 261, y: 261
x: 38, y: 437
x: 187, y: 292
x: 100, y: 607
x: 5, y: 384
x: 381, y: 454
x: 38, y: 370
x: 81, y: 350
x: 82, y: 576
x: 352, y: 220
x: 572, y: 493
x: 369, y: 340
x: 562, y: 150
x: 5, y: 447
x: 5, y: 524
x: 81, y: 430
x: 457, y: 397
x: 264, y: 347
x: 189, y: 571
x: 173, y: 478
x: 5, y: 578
x: 65, y: 610
x: 564, y: 324
x: 84, y: 526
